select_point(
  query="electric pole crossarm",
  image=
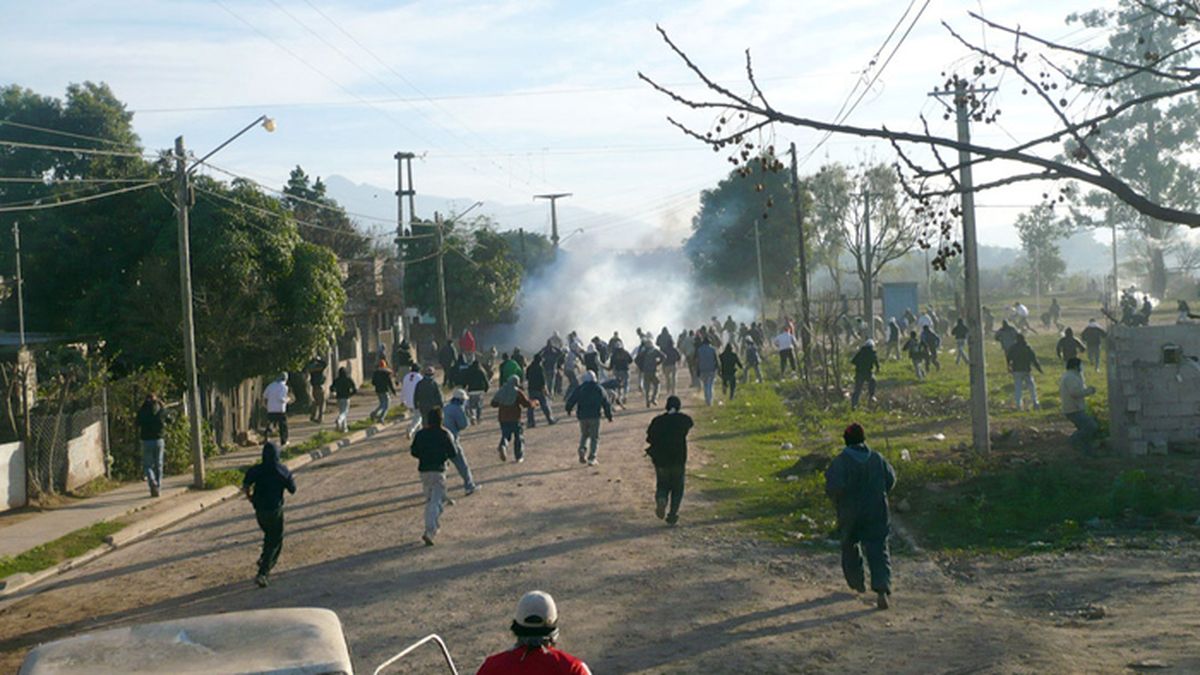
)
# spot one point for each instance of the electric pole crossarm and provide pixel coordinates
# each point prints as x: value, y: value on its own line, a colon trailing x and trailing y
x: 554, y: 213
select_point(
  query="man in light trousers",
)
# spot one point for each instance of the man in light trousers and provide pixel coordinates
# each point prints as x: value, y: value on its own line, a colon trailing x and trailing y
x: 592, y: 401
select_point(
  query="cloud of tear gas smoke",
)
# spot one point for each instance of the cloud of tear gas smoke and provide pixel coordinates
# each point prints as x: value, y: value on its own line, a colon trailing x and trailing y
x: 596, y: 293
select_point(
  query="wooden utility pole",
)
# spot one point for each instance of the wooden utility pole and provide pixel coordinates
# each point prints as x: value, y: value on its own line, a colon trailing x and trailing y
x: 868, y: 264
x: 762, y: 290
x: 20, y: 287
x: 182, y: 203
x: 441, y: 273
x: 980, y: 432
x: 553, y: 214
x: 798, y: 203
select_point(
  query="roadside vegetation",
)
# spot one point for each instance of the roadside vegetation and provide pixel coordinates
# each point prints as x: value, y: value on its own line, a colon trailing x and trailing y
x: 64, y: 548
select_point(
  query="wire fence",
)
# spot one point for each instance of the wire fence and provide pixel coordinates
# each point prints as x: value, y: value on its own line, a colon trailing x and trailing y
x: 52, y: 428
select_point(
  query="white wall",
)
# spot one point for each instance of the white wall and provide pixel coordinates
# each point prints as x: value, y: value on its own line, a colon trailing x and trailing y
x: 12, y: 476
x: 85, y: 457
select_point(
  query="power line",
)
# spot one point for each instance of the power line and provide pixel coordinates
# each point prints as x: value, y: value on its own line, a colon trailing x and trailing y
x: 67, y: 134
x: 80, y: 200
x: 269, y: 212
x: 82, y: 151
x: 67, y: 181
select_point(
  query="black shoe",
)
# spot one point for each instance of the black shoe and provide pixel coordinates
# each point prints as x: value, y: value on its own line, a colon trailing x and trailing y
x: 672, y: 519
x: 660, y: 509
x: 261, y: 580
x: 427, y: 539
x: 881, y: 601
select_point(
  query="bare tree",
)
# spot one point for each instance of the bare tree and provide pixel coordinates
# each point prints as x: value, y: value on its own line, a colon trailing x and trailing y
x: 1080, y: 106
x: 893, y: 232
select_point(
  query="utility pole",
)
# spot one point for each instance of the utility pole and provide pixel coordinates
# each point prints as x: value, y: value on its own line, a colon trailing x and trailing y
x: 762, y: 291
x: 869, y: 276
x: 20, y: 287
x: 182, y: 203
x: 441, y: 274
x: 798, y: 203
x: 980, y: 432
x: 1116, y: 285
x: 403, y: 227
x: 1037, y: 281
x: 553, y: 214
x: 524, y: 258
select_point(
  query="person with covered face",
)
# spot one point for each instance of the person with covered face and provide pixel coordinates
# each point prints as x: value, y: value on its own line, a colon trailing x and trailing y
x: 264, y: 485
x: 858, y: 481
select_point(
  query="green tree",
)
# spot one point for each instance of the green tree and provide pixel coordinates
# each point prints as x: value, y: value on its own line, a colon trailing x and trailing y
x: 534, y: 254
x: 1040, y: 230
x: 832, y: 191
x: 1149, y: 146
x: 321, y: 219
x: 722, y: 247
x: 482, y: 274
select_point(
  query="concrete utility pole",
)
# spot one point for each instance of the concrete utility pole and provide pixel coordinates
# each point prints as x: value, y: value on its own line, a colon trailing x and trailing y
x: 980, y: 432
x: 762, y: 290
x: 441, y: 274
x: 869, y: 277
x: 182, y: 203
x: 798, y: 202
x: 553, y: 214
x: 20, y: 287
x: 403, y: 226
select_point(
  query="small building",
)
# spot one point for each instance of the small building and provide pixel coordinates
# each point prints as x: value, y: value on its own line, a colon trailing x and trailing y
x: 899, y: 296
x: 1154, y: 388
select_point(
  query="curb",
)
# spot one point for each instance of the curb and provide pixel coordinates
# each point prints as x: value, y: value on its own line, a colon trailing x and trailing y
x: 195, y: 503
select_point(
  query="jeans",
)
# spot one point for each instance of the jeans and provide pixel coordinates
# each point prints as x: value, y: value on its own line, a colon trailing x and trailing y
x: 878, y: 560
x: 729, y: 385
x: 415, y: 425
x: 707, y: 379
x: 1085, y: 430
x: 622, y: 380
x: 650, y: 387
x: 543, y: 402
x: 1093, y: 354
x: 279, y: 420
x: 464, y: 469
x: 918, y: 368
x: 433, y: 484
x: 859, y: 381
x: 513, y: 430
x: 271, y: 523
x: 385, y: 402
x: 787, y: 356
x: 343, y: 421
x: 669, y: 487
x: 671, y: 373
x: 757, y: 368
x: 152, y: 462
x: 475, y: 405
x: 318, y: 401
x: 572, y: 384
x: 960, y: 352
x: 589, y: 433
x: 1022, y: 381
x: 892, y: 351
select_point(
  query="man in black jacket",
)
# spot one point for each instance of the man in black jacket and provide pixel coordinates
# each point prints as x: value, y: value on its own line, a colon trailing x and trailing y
x: 1021, y: 362
x: 667, y: 436
x: 591, y: 400
x: 433, y: 446
x: 866, y: 364
x: 151, y: 419
x: 477, y: 383
x: 381, y: 379
x: 535, y: 382
x: 427, y: 395
x: 858, y: 481
x: 263, y: 486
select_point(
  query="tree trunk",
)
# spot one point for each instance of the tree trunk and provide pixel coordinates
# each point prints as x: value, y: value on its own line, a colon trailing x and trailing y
x: 1157, y: 269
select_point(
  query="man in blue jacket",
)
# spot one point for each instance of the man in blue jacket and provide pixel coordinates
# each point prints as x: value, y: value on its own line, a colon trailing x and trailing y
x: 263, y: 486
x: 591, y: 400
x: 858, y: 481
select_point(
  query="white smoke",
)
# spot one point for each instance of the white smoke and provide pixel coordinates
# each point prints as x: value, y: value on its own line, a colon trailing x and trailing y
x: 598, y: 292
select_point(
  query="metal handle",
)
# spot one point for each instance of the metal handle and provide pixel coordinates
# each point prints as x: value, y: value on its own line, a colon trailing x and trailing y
x: 428, y: 638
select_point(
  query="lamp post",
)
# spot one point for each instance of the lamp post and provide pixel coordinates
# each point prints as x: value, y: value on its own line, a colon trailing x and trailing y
x: 182, y: 204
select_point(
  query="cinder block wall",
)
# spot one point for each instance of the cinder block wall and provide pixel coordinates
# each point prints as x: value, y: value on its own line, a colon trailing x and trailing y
x: 1154, y: 406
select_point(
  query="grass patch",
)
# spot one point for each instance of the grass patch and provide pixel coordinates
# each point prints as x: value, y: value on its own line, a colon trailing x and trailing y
x: 95, y: 487
x: 64, y: 548
x: 364, y: 423
x: 219, y: 478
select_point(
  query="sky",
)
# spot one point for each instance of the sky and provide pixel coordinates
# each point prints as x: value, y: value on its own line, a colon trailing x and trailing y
x: 505, y: 99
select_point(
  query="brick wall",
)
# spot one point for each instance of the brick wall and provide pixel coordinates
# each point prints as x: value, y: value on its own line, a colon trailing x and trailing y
x: 1154, y: 406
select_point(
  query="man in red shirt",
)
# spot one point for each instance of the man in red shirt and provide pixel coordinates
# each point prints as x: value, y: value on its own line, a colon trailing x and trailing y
x: 536, y: 628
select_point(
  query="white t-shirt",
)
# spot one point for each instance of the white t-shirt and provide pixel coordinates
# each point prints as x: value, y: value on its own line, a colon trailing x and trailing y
x: 1022, y: 311
x: 276, y: 394
x: 785, y: 341
x: 408, y: 388
x: 925, y: 320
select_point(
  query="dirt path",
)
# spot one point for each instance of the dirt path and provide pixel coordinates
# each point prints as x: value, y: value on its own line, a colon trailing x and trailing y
x: 634, y: 595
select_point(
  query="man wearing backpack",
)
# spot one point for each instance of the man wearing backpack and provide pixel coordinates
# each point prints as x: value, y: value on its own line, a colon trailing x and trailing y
x: 858, y: 481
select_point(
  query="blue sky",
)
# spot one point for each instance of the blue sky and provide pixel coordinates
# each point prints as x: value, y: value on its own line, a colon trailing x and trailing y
x: 505, y: 98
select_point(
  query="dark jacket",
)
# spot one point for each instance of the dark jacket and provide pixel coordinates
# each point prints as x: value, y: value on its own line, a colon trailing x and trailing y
x: 858, y: 481
x: 427, y: 395
x: 151, y: 418
x: 1068, y: 347
x: 446, y: 355
x: 476, y: 378
x: 433, y: 448
x: 591, y: 400
x: 535, y: 378
x: 1021, y: 359
x: 343, y: 387
x: 667, y: 436
x: 512, y: 413
x: 1092, y: 336
x: 729, y: 363
x: 865, y: 361
x: 268, y: 479
x: 620, y: 359
x: 960, y: 331
x: 382, y: 381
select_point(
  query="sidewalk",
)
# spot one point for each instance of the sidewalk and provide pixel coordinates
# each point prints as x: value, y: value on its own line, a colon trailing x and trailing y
x: 22, y: 531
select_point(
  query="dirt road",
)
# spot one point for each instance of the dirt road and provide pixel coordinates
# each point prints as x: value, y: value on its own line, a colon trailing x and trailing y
x: 634, y: 596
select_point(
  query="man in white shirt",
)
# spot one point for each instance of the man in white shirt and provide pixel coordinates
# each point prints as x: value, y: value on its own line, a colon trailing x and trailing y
x: 276, y: 396
x: 408, y: 390
x: 785, y: 342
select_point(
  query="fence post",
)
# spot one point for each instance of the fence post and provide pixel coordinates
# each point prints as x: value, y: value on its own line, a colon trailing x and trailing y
x: 108, y: 458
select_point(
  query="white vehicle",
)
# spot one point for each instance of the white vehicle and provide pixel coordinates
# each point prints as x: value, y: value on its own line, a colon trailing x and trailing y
x: 293, y: 641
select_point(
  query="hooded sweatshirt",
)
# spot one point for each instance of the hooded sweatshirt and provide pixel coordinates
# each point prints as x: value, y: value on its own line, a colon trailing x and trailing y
x: 269, y: 479
x: 667, y: 436
x: 858, y: 481
x: 590, y: 399
x: 433, y: 447
x: 509, y: 399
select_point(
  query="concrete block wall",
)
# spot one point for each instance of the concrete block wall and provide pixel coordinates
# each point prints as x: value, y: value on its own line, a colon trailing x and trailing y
x: 1154, y: 406
x: 85, y: 456
x: 12, y: 476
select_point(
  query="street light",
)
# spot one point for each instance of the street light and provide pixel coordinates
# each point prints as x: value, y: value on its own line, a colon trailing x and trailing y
x: 182, y: 199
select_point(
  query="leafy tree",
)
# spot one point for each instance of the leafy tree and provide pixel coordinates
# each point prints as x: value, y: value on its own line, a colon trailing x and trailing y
x: 482, y: 274
x: 311, y: 206
x: 534, y: 254
x: 832, y: 190
x: 1040, y: 230
x: 1150, y: 145
x: 722, y: 247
